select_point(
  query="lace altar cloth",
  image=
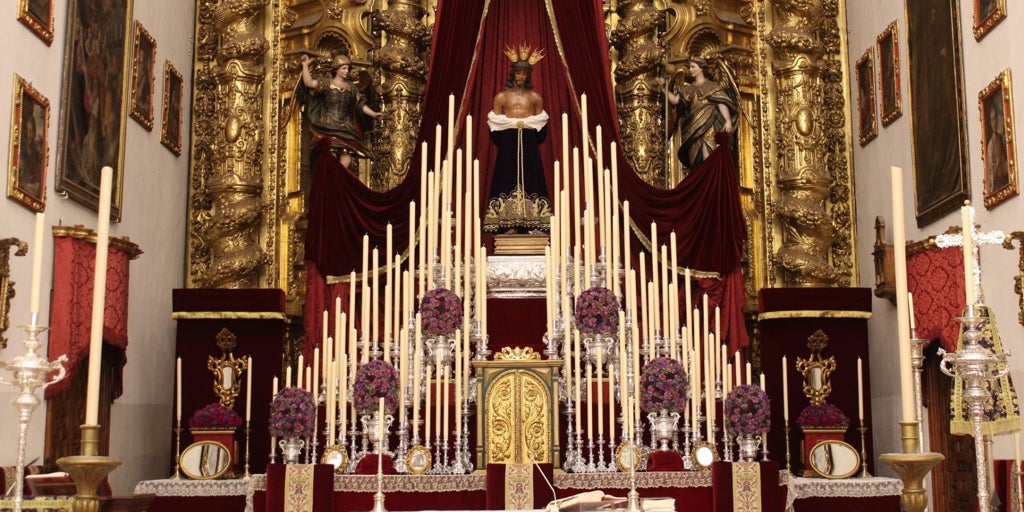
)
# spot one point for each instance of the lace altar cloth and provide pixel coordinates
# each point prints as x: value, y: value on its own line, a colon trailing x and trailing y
x: 848, y: 488
x: 797, y: 487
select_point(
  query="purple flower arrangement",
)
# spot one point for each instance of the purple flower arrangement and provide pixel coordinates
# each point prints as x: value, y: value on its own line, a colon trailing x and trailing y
x: 748, y: 410
x: 292, y: 413
x: 441, y: 312
x: 663, y: 385
x: 597, y: 311
x: 374, y: 380
x: 822, y: 415
x: 215, y: 416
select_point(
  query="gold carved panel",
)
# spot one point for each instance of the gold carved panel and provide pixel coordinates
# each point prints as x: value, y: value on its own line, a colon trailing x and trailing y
x: 519, y: 411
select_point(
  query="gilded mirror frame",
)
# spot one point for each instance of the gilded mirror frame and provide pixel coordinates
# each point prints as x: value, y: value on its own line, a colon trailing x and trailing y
x: 826, y: 472
x: 817, y: 369
x: 201, y: 445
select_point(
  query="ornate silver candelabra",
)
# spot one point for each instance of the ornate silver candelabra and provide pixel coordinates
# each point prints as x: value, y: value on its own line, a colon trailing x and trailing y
x: 30, y: 371
x: 975, y: 365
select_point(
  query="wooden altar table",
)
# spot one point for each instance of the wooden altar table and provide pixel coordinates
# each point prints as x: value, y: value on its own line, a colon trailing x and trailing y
x: 354, y: 493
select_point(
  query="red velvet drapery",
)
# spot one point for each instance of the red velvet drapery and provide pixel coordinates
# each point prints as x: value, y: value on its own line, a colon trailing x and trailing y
x: 704, y: 210
x: 74, y: 262
x: 936, y: 278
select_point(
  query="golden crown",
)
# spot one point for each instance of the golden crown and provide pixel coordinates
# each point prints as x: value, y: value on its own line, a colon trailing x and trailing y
x: 524, y: 52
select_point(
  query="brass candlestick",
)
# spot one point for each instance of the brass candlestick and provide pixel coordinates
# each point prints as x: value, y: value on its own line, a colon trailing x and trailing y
x: 88, y: 470
x: 248, y: 434
x: 177, y: 451
x: 785, y: 427
x: 863, y: 451
x: 912, y: 466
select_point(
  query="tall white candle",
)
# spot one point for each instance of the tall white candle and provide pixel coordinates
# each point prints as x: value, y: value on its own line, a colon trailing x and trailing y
x: 967, y: 237
x: 248, y: 391
x: 92, y: 395
x: 910, y: 309
x: 1016, y: 449
x: 177, y: 390
x: 899, y: 242
x: 860, y: 389
x: 37, y: 265
x: 273, y: 440
x: 380, y: 435
x: 600, y: 394
x: 785, y: 389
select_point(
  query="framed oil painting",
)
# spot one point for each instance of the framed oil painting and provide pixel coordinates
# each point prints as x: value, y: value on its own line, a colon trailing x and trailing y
x: 143, y: 62
x: 170, y: 131
x: 987, y: 14
x: 37, y: 15
x: 889, y: 74
x: 938, y: 108
x: 998, y: 147
x: 866, y: 119
x: 30, y: 122
x: 94, y: 100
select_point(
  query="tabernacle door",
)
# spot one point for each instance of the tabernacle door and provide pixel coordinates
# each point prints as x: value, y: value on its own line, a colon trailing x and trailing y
x: 519, y: 409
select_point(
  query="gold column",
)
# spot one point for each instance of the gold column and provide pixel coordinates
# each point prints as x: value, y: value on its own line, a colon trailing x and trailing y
x: 402, y: 62
x: 639, y: 106
x: 802, y: 178
x: 226, y: 207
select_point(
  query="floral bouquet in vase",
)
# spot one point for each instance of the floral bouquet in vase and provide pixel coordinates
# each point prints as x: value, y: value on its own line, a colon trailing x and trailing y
x: 663, y: 394
x: 292, y: 414
x: 441, y: 312
x: 375, y: 379
x: 747, y: 409
x: 597, y: 312
x: 824, y: 416
x: 215, y: 416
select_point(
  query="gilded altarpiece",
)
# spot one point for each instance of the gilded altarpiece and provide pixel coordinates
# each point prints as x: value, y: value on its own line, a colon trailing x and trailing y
x: 519, y: 411
x: 250, y: 178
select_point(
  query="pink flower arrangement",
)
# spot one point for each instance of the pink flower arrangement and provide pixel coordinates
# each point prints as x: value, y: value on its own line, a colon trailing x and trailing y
x: 374, y: 380
x: 597, y: 311
x: 215, y: 416
x: 748, y: 410
x: 292, y: 413
x: 663, y: 385
x: 822, y: 415
x: 441, y: 312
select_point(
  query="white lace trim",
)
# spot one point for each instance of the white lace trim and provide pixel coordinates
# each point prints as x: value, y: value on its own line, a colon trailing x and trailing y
x: 848, y: 488
x: 193, y: 488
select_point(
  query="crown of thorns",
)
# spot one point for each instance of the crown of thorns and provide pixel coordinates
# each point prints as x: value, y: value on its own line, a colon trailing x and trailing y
x: 524, y: 53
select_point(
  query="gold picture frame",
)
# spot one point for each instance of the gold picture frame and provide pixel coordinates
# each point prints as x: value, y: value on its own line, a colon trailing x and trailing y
x: 94, y: 100
x: 29, y: 155
x: 174, y: 90
x: 37, y: 15
x: 889, y: 74
x: 998, y: 146
x: 987, y: 14
x: 143, y: 79
x: 866, y: 118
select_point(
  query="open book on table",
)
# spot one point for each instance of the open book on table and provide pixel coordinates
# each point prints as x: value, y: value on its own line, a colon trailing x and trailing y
x: 598, y: 500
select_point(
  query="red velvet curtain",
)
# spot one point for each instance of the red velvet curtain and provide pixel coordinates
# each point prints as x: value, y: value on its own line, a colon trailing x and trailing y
x: 467, y: 60
x: 936, y: 278
x: 74, y: 267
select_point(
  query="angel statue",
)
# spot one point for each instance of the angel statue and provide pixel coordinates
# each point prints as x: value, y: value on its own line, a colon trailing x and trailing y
x: 336, y: 109
x: 704, y: 108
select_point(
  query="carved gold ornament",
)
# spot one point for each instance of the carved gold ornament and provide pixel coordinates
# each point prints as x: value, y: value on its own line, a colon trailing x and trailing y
x: 816, y: 369
x: 227, y: 369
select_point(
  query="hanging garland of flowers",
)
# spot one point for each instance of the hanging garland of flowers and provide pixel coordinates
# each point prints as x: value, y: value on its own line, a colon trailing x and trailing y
x: 597, y: 311
x: 441, y: 312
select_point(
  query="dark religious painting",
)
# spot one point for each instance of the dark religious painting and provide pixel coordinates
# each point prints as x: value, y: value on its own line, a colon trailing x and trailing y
x: 987, y: 14
x: 30, y: 123
x: 143, y: 62
x: 938, y: 108
x: 93, y: 99
x: 37, y: 15
x: 889, y: 74
x: 998, y: 147
x: 867, y: 120
x: 170, y: 131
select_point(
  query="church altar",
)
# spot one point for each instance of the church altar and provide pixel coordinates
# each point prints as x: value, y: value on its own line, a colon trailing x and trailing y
x: 467, y: 492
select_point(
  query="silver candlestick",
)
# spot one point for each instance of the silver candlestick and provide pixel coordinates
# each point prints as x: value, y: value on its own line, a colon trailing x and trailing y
x: 30, y: 371
x: 975, y: 365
